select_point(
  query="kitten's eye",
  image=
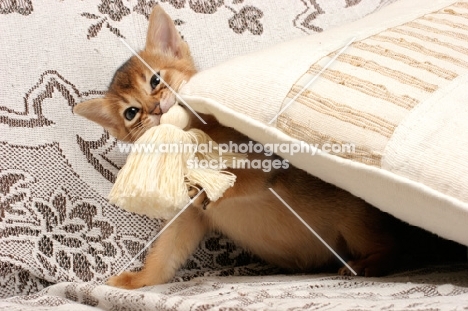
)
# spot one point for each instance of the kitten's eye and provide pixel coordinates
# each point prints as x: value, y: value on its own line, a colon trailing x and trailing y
x: 155, y: 81
x: 130, y: 113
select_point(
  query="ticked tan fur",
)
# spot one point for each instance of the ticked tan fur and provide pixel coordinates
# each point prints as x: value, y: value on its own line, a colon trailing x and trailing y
x: 248, y: 213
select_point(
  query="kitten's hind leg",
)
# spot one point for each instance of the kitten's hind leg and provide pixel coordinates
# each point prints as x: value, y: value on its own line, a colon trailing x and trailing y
x: 169, y: 252
x: 371, y: 242
x: 376, y: 264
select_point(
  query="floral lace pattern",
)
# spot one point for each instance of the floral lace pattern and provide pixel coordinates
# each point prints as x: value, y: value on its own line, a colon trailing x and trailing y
x: 56, y: 169
x: 418, y: 290
x: 23, y: 7
x: 247, y: 17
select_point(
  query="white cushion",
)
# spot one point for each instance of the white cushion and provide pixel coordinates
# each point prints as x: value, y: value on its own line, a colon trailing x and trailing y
x: 397, y: 93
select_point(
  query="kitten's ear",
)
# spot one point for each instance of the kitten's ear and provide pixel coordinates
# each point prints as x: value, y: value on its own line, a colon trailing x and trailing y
x: 162, y: 34
x: 96, y: 110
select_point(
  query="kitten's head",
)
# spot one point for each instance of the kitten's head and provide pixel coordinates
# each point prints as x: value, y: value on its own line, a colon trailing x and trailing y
x: 136, y: 98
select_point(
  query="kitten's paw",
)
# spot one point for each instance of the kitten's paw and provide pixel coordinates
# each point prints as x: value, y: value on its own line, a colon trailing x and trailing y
x: 368, y: 267
x: 202, y: 201
x: 192, y: 191
x: 346, y: 272
x: 126, y: 280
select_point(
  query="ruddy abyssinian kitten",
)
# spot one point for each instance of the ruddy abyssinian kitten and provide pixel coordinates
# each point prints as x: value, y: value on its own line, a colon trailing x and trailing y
x: 248, y: 213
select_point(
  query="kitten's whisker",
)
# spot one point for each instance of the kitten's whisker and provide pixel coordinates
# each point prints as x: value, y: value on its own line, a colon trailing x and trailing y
x: 135, y: 131
x: 132, y: 131
x: 139, y: 126
x: 162, y: 80
x: 139, y: 131
x: 144, y: 127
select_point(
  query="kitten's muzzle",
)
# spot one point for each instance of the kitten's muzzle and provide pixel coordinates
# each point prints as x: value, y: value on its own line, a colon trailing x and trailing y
x: 157, y: 110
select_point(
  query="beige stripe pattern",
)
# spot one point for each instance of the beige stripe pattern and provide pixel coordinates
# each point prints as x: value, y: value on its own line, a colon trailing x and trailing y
x: 461, y: 5
x: 364, y: 86
x: 376, y: 82
x: 453, y: 12
x: 454, y: 34
x: 343, y: 112
x: 454, y: 47
x: 442, y: 21
x: 389, y: 72
x: 295, y: 128
x: 427, y: 66
x: 416, y: 47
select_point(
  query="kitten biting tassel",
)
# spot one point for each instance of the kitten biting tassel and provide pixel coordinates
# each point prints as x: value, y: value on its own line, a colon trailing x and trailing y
x: 371, y: 241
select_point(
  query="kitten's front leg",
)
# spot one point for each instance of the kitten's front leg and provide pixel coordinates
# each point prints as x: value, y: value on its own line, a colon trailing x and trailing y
x: 168, y: 253
x: 202, y: 202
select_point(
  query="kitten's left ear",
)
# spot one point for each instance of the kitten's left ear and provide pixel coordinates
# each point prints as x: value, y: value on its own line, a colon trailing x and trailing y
x: 96, y: 110
x: 162, y: 34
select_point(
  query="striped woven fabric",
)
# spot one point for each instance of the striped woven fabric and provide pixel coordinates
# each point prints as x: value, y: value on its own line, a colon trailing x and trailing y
x: 371, y: 87
x: 387, y: 93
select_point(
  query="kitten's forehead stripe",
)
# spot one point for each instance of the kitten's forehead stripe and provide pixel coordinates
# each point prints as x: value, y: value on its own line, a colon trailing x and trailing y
x: 125, y: 100
x: 126, y: 75
x: 121, y: 70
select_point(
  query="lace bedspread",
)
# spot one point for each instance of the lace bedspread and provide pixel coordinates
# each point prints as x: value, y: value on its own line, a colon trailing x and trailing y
x: 436, y: 288
x: 60, y: 239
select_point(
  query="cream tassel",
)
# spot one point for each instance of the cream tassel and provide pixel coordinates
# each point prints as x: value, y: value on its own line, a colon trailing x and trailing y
x: 156, y: 184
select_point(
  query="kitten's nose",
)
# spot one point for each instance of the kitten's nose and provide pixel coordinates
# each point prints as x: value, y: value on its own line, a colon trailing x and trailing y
x: 157, y: 110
